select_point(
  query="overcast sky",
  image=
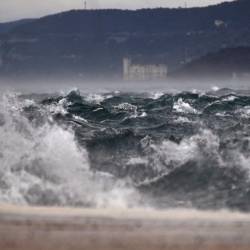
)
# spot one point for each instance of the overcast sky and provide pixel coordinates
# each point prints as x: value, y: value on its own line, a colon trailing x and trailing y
x: 16, y: 9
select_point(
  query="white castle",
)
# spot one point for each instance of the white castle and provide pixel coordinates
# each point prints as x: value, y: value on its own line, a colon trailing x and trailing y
x: 139, y: 72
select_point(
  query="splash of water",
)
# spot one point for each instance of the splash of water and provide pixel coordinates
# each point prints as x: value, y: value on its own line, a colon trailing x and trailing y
x: 43, y: 164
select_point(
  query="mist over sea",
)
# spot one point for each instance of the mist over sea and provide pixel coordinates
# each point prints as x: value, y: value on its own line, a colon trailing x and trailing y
x: 126, y: 145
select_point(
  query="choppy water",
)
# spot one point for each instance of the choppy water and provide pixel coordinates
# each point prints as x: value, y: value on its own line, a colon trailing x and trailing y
x: 187, y: 149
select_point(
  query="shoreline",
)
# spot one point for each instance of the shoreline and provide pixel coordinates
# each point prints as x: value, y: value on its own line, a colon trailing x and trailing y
x: 35, y: 228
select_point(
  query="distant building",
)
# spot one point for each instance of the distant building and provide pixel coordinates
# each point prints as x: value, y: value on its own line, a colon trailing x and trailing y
x: 143, y: 72
x: 1, y: 61
x: 1, y: 54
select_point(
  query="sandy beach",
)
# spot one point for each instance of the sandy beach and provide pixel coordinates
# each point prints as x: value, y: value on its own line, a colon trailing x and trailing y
x: 24, y: 228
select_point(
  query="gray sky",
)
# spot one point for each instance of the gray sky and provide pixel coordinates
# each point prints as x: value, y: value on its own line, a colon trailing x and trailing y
x: 16, y: 9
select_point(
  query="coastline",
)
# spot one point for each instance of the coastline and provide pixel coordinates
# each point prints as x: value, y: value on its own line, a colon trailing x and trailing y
x: 26, y: 228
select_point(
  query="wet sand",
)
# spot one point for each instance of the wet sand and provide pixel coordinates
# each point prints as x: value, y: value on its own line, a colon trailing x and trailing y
x: 24, y: 228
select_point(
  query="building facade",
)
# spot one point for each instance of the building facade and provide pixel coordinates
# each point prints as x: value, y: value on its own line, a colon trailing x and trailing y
x: 140, y: 72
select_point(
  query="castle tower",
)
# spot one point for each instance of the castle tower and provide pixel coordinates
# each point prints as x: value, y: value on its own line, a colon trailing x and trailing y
x: 143, y: 72
x: 126, y: 68
x: 1, y: 55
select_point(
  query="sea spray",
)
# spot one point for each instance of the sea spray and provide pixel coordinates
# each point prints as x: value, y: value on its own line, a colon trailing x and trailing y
x: 190, y: 149
x: 43, y: 164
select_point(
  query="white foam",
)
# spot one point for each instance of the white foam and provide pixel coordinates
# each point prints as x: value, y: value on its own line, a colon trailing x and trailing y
x: 137, y: 161
x: 143, y: 114
x: 79, y: 118
x: 126, y: 106
x: 98, y: 109
x: 97, y: 98
x: 168, y: 155
x: 215, y: 88
x: 230, y: 98
x: 182, y: 119
x: 244, y: 112
x: 156, y: 95
x: 183, y: 107
x: 44, y: 165
x: 59, y: 108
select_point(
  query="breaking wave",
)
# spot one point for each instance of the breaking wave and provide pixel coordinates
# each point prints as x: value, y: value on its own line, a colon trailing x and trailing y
x: 42, y: 164
x: 187, y: 149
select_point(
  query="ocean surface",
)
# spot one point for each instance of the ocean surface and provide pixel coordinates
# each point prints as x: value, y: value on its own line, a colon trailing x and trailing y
x: 126, y: 149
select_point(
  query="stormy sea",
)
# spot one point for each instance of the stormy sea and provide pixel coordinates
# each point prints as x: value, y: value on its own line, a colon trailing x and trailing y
x: 126, y: 149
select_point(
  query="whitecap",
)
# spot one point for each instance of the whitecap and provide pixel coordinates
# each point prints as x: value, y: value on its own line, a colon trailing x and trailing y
x: 44, y: 165
x: 182, y: 119
x: 137, y: 161
x: 59, y: 108
x: 156, y: 95
x: 98, y: 109
x: 183, y: 107
x: 97, y: 98
x: 167, y: 155
x: 244, y: 112
x: 126, y: 107
x: 79, y: 118
x: 215, y: 88
x: 229, y: 98
x: 143, y: 114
